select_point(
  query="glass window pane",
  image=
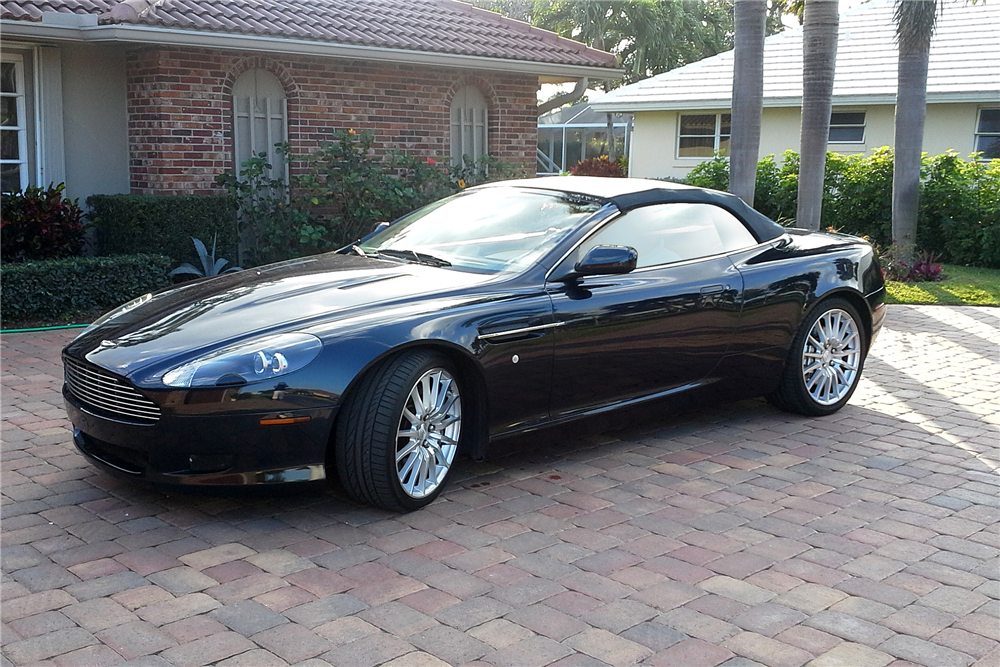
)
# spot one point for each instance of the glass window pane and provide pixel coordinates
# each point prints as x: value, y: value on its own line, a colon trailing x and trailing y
x: 988, y: 146
x: 853, y: 118
x: 727, y: 121
x: 8, y: 80
x: 698, y: 125
x: 847, y: 134
x: 8, y: 145
x: 8, y: 111
x: 667, y: 233
x: 10, y: 177
x: 724, y: 145
x: 989, y: 120
x: 696, y: 147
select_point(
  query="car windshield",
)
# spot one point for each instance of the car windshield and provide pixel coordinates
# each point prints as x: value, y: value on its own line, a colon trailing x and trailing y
x: 489, y: 230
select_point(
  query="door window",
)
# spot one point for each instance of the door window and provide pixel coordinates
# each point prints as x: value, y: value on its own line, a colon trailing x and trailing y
x: 666, y: 233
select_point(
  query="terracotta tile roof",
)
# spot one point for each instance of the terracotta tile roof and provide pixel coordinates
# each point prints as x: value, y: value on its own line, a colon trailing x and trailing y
x: 435, y: 26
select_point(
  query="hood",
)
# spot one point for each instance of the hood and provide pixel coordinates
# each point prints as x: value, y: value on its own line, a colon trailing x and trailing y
x: 185, y: 321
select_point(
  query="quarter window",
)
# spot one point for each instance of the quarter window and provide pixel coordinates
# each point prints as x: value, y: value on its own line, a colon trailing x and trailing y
x: 847, y: 127
x: 13, y: 126
x: 988, y: 134
x: 469, y: 124
x: 701, y: 135
x: 260, y: 118
x: 666, y: 233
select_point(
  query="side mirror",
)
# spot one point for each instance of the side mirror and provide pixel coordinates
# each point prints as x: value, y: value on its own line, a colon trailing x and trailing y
x: 606, y: 260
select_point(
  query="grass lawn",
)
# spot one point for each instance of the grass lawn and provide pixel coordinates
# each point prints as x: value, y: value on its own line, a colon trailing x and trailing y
x: 965, y: 286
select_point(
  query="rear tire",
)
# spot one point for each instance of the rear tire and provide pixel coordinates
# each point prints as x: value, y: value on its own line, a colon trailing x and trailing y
x: 399, y: 430
x: 825, y: 362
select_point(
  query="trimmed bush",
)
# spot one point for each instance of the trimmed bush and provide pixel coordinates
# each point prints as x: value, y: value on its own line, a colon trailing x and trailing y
x: 600, y: 166
x: 162, y: 224
x: 58, y: 289
x: 39, y: 224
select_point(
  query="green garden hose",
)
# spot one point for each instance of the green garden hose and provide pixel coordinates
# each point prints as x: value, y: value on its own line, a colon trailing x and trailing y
x: 63, y: 326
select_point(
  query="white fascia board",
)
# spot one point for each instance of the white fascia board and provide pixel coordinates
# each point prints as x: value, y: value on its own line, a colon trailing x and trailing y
x: 167, y: 36
x: 984, y: 96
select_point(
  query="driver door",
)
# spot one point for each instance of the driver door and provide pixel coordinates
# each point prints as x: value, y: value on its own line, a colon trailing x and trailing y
x: 659, y: 328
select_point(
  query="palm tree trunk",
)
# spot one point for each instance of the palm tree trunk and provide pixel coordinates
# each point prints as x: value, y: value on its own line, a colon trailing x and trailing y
x: 820, y: 24
x: 915, y: 26
x: 748, y: 96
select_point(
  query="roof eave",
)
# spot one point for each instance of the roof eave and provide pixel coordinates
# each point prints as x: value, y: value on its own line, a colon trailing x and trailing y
x: 136, y: 34
x: 974, y: 96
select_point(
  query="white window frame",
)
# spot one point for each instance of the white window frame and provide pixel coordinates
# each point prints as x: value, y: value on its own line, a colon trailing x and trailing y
x: 978, y: 133
x: 470, y: 125
x: 717, y: 136
x: 22, y: 127
x: 863, y: 125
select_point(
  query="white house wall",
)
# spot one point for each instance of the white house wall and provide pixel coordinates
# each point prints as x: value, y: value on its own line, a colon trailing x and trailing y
x: 95, y: 121
x: 654, y: 145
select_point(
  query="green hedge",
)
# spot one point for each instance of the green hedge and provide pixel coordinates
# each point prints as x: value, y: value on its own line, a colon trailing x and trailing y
x: 163, y: 224
x: 56, y: 289
x: 959, y: 214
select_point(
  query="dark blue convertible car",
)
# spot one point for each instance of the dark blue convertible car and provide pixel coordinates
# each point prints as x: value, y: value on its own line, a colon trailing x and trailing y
x: 500, y: 310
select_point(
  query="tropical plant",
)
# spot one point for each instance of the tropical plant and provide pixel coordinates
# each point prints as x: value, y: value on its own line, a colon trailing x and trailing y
x: 915, y: 21
x: 210, y: 266
x: 748, y: 97
x: 648, y: 36
x: 819, y: 57
x: 599, y: 166
x: 270, y: 226
x: 39, y: 223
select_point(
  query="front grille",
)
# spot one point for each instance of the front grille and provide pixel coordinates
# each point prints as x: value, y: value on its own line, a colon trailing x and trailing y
x: 108, y: 393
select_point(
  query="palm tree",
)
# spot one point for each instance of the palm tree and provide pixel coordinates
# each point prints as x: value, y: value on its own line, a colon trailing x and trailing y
x: 748, y: 96
x: 820, y: 22
x: 915, y: 21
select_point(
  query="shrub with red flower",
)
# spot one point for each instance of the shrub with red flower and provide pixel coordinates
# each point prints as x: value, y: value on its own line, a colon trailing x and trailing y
x: 598, y: 166
x: 39, y: 223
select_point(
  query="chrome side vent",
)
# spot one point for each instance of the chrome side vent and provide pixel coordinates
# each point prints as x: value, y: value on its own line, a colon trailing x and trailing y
x: 108, y: 394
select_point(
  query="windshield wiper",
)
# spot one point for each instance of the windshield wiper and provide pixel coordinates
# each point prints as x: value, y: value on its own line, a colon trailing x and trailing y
x: 414, y: 256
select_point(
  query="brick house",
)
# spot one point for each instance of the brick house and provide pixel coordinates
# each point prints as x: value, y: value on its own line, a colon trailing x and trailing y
x: 159, y: 96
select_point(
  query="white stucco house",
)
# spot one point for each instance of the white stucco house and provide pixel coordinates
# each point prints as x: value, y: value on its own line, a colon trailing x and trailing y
x: 682, y: 116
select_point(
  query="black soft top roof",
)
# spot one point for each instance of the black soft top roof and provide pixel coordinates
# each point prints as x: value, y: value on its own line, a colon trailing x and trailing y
x: 630, y: 193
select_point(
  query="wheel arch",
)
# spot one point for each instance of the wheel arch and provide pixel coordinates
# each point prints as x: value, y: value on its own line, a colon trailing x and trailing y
x: 854, y: 298
x: 470, y: 377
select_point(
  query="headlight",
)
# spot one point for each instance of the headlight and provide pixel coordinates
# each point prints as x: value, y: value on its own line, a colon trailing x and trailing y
x: 120, y: 310
x: 252, y: 361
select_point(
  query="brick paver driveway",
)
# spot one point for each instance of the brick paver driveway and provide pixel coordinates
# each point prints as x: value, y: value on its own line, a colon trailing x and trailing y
x: 734, y: 535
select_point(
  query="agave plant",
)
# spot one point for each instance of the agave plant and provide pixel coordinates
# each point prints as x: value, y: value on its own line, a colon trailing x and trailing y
x: 210, y: 265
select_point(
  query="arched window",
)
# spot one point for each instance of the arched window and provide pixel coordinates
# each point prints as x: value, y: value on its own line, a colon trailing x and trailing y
x: 468, y: 125
x: 260, y: 117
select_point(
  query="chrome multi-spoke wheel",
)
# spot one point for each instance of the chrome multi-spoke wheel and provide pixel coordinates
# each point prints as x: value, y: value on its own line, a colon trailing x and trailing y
x: 825, y: 362
x: 831, y: 356
x: 428, y: 433
x: 399, y: 431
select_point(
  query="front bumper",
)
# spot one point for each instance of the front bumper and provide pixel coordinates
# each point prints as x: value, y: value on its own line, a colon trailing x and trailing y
x: 226, y: 449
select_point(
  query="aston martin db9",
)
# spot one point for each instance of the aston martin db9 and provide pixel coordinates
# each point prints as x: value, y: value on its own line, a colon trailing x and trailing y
x: 500, y: 310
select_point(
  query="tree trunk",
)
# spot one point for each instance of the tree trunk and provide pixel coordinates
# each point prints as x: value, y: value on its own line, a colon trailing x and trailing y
x: 612, y: 146
x: 915, y: 26
x: 820, y: 24
x: 748, y: 96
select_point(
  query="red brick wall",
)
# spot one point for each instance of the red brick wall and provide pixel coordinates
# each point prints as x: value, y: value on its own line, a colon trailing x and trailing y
x: 180, y: 110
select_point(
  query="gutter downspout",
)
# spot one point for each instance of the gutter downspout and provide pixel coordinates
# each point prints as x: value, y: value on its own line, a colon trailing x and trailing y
x: 565, y: 98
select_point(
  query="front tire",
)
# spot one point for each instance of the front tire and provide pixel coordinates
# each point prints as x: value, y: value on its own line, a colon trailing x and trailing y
x: 399, y: 431
x: 824, y: 365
